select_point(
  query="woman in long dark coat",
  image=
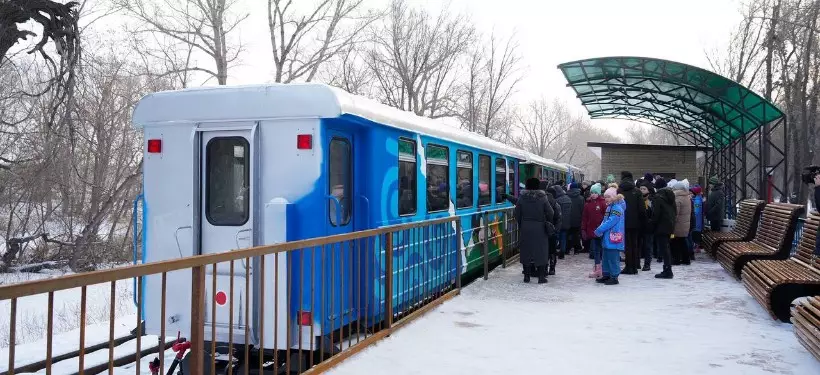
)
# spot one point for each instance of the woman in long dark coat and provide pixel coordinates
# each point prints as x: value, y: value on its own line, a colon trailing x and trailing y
x: 534, y: 216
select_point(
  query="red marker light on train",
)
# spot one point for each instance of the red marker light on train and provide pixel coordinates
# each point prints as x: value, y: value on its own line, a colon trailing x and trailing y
x: 305, y: 318
x: 154, y: 146
x: 304, y: 141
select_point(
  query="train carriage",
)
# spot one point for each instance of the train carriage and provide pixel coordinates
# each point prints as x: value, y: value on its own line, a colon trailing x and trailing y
x: 234, y: 167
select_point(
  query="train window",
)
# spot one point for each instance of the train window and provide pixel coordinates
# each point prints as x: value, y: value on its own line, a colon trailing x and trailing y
x: 484, y: 180
x: 227, y: 181
x: 407, y: 177
x: 511, y: 185
x: 464, y: 179
x: 340, y: 171
x: 438, y: 178
x: 500, y: 180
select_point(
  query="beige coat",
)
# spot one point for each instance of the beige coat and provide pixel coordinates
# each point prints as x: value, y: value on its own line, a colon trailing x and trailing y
x: 684, y: 213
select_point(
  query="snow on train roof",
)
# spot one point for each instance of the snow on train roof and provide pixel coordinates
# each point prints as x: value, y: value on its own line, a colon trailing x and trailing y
x: 311, y: 100
x: 533, y: 158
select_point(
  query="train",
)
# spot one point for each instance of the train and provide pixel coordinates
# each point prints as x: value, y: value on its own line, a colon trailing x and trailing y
x: 233, y: 167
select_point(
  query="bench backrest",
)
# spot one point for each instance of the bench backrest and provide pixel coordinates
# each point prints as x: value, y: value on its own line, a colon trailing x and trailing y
x: 777, y: 225
x: 805, y: 247
x: 747, y: 217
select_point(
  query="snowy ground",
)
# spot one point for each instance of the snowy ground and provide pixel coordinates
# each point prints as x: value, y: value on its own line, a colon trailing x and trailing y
x: 702, y: 322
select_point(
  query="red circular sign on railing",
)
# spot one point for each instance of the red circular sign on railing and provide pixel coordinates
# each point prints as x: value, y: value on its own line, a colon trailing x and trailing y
x: 221, y: 298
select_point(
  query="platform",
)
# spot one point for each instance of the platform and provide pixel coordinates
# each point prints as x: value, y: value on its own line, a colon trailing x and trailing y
x: 702, y: 322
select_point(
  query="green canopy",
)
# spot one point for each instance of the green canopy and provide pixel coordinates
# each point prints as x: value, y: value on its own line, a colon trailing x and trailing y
x: 691, y: 102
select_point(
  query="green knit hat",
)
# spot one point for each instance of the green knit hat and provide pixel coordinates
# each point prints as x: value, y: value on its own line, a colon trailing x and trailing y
x: 595, y: 189
x: 714, y: 180
x: 610, y: 179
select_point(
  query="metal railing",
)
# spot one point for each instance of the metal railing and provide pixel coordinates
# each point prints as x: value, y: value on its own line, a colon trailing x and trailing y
x: 302, y: 306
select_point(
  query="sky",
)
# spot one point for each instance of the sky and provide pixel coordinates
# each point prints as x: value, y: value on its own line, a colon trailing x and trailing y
x: 551, y: 32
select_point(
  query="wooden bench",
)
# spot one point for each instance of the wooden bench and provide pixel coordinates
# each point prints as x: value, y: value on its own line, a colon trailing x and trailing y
x: 747, y: 216
x: 776, y: 283
x: 806, y: 320
x: 773, y: 238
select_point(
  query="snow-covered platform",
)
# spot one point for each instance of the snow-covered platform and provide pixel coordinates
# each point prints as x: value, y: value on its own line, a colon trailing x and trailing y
x: 702, y: 322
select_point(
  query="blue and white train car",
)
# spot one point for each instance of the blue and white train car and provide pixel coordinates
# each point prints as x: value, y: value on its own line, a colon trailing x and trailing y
x: 236, y: 167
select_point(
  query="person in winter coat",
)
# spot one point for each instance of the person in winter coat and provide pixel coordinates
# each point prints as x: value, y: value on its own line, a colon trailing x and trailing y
x: 663, y: 221
x: 697, y: 210
x: 534, y: 216
x: 577, y: 209
x: 715, y: 204
x: 611, y: 232
x: 566, y: 219
x: 557, y: 220
x: 585, y: 189
x: 591, y: 219
x: 683, y: 206
x: 648, y: 192
x: 635, y: 221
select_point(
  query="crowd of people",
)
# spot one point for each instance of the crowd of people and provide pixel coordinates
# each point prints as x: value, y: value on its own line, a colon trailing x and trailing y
x: 646, y: 219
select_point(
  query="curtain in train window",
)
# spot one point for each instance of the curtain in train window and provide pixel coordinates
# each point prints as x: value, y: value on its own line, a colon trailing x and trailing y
x: 500, y: 180
x: 339, y: 179
x: 227, y: 181
x: 438, y: 178
x: 464, y: 179
x: 484, y: 174
x: 407, y: 177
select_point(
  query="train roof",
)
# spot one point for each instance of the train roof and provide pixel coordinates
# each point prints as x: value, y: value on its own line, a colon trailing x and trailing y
x: 310, y: 100
x: 535, y: 159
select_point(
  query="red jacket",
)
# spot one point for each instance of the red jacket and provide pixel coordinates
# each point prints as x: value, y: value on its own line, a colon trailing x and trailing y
x: 592, y: 216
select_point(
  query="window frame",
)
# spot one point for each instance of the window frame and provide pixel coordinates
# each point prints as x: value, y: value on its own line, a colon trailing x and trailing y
x: 499, y: 200
x: 415, y: 186
x: 472, y: 178
x: 489, y: 178
x: 247, y: 170
x: 349, y: 186
x: 427, y: 163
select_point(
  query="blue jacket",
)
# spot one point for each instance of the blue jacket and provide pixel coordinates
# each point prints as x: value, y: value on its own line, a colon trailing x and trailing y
x: 698, y: 214
x: 614, y: 221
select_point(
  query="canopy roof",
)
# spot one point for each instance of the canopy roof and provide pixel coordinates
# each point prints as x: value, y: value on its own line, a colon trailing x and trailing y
x: 691, y: 102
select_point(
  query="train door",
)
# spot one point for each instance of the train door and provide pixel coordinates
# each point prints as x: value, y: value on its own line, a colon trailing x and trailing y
x: 341, y: 198
x: 226, y: 222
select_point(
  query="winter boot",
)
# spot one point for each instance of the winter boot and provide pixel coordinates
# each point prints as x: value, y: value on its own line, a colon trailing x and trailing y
x: 646, y: 265
x: 666, y: 274
x: 553, y: 260
x: 611, y: 281
x: 560, y: 255
x: 542, y: 274
x: 629, y: 271
x: 594, y: 272
x: 602, y: 279
x: 599, y: 272
x: 528, y: 271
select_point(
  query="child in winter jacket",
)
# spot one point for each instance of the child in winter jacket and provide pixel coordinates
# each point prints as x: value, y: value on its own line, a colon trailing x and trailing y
x: 611, y: 232
x: 591, y: 219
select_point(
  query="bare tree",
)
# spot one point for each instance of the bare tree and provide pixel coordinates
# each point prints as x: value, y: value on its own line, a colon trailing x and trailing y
x: 651, y: 135
x: 414, y: 58
x: 303, y: 41
x: 204, y: 25
x: 348, y: 71
x: 493, y: 74
x: 542, y: 125
x: 742, y: 60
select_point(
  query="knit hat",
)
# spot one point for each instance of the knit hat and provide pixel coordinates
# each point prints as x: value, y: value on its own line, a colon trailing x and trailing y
x: 610, y: 178
x: 648, y: 177
x: 660, y: 183
x: 595, y: 189
x: 626, y: 175
x: 714, y: 180
x: 611, y: 192
x: 696, y: 190
x: 574, y: 185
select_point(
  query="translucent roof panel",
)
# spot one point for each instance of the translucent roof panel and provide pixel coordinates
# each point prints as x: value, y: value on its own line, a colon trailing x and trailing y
x: 680, y: 98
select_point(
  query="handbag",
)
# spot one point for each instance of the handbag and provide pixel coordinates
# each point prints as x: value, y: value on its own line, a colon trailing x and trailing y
x: 616, y: 237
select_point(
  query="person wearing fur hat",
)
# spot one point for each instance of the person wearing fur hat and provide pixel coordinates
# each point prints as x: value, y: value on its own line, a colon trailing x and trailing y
x: 611, y: 231
x: 534, y: 217
x: 683, y: 206
x: 591, y: 219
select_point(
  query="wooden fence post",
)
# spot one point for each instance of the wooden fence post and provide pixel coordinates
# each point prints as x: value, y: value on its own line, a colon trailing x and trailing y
x: 388, y: 279
x: 196, y: 356
x: 486, y: 245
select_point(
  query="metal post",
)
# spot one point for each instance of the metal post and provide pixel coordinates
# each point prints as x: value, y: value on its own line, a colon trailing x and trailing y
x: 196, y: 356
x: 388, y: 279
x: 486, y: 246
x: 506, y: 233
x: 458, y: 253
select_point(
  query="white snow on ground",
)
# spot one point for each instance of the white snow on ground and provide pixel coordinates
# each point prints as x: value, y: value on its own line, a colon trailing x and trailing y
x: 32, y: 311
x: 702, y: 322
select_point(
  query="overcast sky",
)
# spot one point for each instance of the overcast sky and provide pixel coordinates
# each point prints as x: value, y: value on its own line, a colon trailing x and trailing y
x: 551, y: 32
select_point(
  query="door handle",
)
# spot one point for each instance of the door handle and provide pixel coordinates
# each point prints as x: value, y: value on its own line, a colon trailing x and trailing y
x: 176, y: 238
x: 366, y: 210
x: 236, y: 239
x: 338, y: 209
